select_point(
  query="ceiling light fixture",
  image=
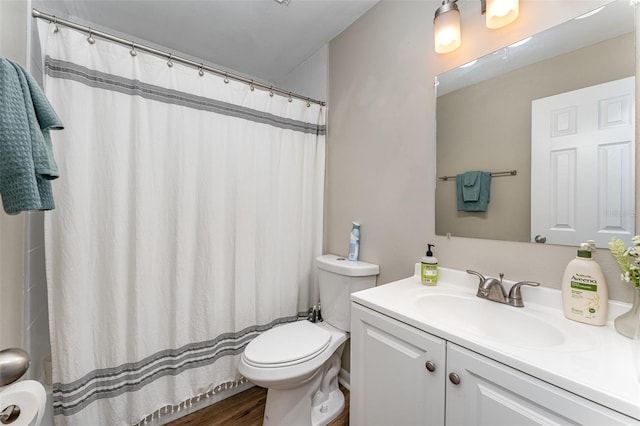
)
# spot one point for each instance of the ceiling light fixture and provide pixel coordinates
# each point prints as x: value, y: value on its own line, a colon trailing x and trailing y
x: 500, y: 13
x: 446, y: 22
x: 446, y: 27
x: 282, y: 2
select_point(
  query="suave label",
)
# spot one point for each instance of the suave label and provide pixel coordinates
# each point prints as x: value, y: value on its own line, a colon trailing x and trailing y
x: 429, y: 274
x: 584, y: 296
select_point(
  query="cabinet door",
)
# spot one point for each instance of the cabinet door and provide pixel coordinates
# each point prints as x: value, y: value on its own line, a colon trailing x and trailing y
x: 490, y: 393
x: 390, y: 381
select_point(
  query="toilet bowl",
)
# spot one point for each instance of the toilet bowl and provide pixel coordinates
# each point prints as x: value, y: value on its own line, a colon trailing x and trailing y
x: 299, y: 362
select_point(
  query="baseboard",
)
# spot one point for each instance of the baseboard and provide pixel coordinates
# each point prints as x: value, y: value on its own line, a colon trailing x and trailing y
x: 344, y: 378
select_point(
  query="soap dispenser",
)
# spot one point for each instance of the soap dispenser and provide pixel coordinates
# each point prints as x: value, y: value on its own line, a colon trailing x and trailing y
x: 429, y: 268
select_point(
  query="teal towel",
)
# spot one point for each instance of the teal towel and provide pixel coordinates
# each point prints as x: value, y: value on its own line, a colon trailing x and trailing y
x: 484, y: 188
x: 471, y: 186
x: 26, y: 154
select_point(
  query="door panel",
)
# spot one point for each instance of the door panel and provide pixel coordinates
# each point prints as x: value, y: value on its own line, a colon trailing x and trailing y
x: 582, y: 165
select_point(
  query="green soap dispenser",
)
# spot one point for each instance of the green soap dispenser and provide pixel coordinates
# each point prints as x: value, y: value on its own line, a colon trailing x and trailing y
x: 429, y: 268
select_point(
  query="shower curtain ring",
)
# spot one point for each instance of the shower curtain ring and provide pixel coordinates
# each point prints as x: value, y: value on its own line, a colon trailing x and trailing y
x: 251, y: 86
x: 133, y: 49
x: 226, y: 78
x: 55, y: 25
x: 90, y: 39
x: 170, y: 62
x: 290, y: 99
x: 271, y: 91
x: 201, y: 72
x: 308, y: 102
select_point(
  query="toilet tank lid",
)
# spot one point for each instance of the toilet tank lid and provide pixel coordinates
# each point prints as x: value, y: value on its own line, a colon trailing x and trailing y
x: 342, y: 266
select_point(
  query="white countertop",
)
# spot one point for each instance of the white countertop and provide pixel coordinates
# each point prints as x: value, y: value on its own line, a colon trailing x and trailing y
x: 594, y: 362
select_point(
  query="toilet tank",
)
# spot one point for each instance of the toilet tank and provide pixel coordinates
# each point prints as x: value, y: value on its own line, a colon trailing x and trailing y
x: 337, y: 279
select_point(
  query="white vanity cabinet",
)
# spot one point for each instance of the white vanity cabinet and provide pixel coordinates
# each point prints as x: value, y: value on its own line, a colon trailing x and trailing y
x: 391, y: 383
x: 491, y: 393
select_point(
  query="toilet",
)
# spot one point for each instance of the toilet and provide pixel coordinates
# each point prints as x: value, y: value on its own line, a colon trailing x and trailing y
x: 299, y: 362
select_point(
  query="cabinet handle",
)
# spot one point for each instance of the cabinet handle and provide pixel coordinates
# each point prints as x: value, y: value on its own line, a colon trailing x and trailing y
x: 455, y: 379
x: 431, y: 366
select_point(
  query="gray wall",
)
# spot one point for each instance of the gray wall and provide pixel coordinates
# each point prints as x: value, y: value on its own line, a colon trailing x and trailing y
x: 310, y: 77
x: 470, y: 141
x: 381, y: 142
x: 24, y: 318
x: 13, y: 45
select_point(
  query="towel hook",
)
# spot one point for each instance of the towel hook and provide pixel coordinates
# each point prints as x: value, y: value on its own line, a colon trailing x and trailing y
x: 170, y: 62
x: 226, y: 78
x: 201, y: 71
x: 90, y: 39
x: 133, y: 49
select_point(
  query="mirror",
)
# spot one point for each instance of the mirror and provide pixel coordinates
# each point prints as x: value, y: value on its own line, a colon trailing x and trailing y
x: 484, y: 123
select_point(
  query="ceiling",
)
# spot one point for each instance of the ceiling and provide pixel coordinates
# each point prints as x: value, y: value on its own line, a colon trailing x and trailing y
x: 258, y: 38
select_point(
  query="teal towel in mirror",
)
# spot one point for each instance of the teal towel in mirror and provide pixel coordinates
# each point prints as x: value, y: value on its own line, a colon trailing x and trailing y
x: 26, y: 155
x: 471, y: 186
x: 483, y: 184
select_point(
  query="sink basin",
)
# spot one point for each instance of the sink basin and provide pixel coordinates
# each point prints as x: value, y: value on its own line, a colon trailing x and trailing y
x: 491, y: 320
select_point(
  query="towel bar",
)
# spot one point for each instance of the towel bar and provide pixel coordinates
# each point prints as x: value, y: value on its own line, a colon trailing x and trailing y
x: 493, y: 174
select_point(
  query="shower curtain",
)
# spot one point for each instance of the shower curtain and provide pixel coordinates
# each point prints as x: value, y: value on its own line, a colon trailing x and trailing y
x: 188, y: 218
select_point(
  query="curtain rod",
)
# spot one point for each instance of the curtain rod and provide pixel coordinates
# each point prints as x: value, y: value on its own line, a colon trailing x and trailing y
x: 493, y: 174
x: 199, y: 66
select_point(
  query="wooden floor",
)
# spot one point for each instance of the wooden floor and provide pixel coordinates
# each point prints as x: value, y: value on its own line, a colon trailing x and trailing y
x: 245, y: 409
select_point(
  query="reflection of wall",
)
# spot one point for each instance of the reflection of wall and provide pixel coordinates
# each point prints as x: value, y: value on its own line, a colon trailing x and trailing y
x: 488, y: 126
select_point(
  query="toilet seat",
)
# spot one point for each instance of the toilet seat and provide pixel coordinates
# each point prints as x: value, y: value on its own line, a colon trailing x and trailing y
x: 286, y: 345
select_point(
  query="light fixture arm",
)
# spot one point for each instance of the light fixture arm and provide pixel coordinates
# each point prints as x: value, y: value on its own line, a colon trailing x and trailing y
x: 447, y: 5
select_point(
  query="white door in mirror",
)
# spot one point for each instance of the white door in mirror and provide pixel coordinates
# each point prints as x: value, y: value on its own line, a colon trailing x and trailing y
x: 582, y: 165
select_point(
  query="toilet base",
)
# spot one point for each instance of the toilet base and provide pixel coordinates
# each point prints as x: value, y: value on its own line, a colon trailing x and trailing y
x: 298, y: 414
x: 329, y: 410
x: 314, y: 403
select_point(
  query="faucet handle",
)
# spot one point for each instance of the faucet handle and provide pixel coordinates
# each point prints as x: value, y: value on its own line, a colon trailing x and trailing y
x: 477, y: 274
x: 515, y: 296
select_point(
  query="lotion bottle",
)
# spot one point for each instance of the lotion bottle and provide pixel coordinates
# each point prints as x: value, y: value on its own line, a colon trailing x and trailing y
x: 429, y: 268
x: 584, y: 289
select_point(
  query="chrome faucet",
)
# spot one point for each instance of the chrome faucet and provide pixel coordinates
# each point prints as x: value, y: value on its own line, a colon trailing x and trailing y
x: 492, y: 289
